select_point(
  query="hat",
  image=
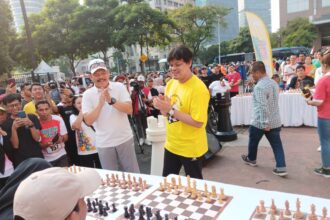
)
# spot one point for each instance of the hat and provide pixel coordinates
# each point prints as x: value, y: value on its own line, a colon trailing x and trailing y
x: 141, y: 78
x: 95, y: 65
x: 53, y: 193
x: 120, y: 77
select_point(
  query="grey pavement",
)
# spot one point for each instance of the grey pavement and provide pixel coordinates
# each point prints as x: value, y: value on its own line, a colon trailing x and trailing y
x: 300, y: 146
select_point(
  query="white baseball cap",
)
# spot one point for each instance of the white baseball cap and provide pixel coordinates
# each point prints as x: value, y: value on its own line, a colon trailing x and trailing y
x: 141, y: 78
x: 53, y: 193
x: 96, y: 64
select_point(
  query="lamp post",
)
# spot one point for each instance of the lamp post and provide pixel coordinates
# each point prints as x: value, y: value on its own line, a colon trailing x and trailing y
x: 219, y: 40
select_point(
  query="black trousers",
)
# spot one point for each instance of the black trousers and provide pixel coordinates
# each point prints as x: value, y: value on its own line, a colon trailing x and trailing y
x: 91, y: 160
x: 173, y: 164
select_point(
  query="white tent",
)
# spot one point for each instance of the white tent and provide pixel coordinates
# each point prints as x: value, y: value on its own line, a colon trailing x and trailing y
x: 43, y: 68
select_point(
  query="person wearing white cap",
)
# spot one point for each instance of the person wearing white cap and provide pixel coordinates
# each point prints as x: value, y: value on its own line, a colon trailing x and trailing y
x: 106, y: 106
x: 55, y: 194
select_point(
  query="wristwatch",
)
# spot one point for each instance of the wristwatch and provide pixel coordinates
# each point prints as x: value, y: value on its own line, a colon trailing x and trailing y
x: 171, y: 112
x: 31, y: 126
x: 113, y: 101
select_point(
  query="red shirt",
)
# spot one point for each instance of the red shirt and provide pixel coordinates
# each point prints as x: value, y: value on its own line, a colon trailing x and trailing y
x: 322, y: 92
x: 233, y: 78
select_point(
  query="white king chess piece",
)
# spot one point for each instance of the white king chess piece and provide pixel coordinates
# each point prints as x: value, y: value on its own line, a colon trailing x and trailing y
x: 156, y: 133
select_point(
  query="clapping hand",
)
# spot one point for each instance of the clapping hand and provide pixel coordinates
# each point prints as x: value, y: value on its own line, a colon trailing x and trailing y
x: 163, y: 103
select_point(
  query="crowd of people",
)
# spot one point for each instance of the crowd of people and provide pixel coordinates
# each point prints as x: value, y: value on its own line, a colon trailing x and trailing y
x: 97, y: 128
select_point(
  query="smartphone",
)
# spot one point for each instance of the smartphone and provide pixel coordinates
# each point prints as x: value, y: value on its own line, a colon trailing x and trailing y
x: 55, y: 138
x: 11, y: 82
x: 21, y: 114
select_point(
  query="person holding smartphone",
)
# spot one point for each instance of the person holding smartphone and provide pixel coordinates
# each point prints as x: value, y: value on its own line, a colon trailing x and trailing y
x: 22, y: 140
x: 53, y: 135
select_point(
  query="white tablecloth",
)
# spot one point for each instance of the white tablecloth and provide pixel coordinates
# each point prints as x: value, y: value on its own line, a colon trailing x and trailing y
x: 293, y: 110
x: 244, y: 200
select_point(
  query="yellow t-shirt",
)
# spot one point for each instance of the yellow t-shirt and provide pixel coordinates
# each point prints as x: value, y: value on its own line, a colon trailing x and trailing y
x: 191, y: 97
x: 30, y: 108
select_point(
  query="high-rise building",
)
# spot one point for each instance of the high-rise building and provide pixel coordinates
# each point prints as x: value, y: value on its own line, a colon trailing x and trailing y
x: 232, y: 29
x: 164, y: 5
x: 317, y: 11
x: 260, y: 8
x: 31, y: 6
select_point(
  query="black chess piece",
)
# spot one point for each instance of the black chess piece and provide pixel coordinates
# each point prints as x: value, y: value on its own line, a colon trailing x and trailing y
x: 149, y: 213
x: 141, y: 215
x: 96, y: 200
x: 126, y: 214
x: 107, y: 206
x: 131, y: 208
x: 100, y: 210
x: 176, y: 218
x: 158, y: 216
x: 89, y: 207
x: 166, y: 217
x: 105, y: 213
x: 88, y: 201
x: 95, y: 209
x: 141, y: 207
x: 114, y: 209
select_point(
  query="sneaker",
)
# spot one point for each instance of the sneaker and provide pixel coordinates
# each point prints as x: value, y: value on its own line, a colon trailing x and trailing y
x: 323, y: 172
x: 252, y: 163
x: 319, y: 149
x: 279, y: 172
x: 141, y: 141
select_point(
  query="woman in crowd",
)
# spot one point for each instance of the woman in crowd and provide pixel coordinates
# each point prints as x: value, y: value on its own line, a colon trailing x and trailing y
x: 85, y: 137
x: 309, y: 67
x: 321, y: 99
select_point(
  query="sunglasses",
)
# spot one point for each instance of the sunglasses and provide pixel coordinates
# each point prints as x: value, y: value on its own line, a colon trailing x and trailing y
x: 95, y: 65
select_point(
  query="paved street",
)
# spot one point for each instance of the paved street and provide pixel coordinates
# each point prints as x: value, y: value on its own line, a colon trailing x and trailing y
x: 300, y: 146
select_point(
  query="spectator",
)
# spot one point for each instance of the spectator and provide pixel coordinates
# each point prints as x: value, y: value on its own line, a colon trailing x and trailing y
x: 301, y: 80
x: 26, y: 94
x: 309, y: 67
x: 234, y: 79
x: 301, y: 59
x: 204, y: 77
x: 321, y: 99
x: 53, y: 135
x: 38, y: 94
x: 64, y: 197
x: 290, y: 70
x: 277, y: 79
x: 105, y: 106
x: 154, y: 93
x: 54, y: 92
x: 85, y: 137
x: 317, y: 59
x: 219, y: 86
x: 185, y: 104
x: 217, y: 74
x: 23, y: 133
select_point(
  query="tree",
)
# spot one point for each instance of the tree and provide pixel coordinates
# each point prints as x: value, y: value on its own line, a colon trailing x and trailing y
x: 98, y: 29
x: 298, y: 32
x: 242, y: 43
x: 138, y: 23
x: 55, y: 32
x: 6, y: 37
x: 195, y: 25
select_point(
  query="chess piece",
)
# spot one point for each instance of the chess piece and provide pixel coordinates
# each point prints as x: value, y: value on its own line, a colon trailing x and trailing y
x: 107, y: 179
x: 258, y: 210
x: 281, y: 216
x: 272, y: 215
x: 193, y: 194
x: 79, y: 169
x: 114, y: 209
x: 169, y: 190
x: 145, y: 185
x: 188, y: 184
x: 312, y: 216
x: 324, y: 213
x: 273, y: 207
x: 166, y: 217
x: 173, y: 182
x: 176, y: 192
x: 206, y: 191
x: 180, y: 183
x: 214, y: 192
x: 298, y: 214
x: 208, y: 198
x: 262, y: 206
x: 161, y: 187
x: 287, y: 208
x: 158, y: 216
x: 105, y: 213
x: 126, y: 214
x: 129, y: 178
x: 199, y: 196
x: 149, y: 213
x: 222, y: 194
x: 220, y: 200
x: 113, y: 179
x: 107, y: 206
x: 165, y: 182
x: 74, y: 169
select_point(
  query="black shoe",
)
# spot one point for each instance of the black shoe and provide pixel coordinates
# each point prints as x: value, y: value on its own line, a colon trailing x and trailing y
x: 279, y: 173
x: 252, y: 163
x: 323, y: 172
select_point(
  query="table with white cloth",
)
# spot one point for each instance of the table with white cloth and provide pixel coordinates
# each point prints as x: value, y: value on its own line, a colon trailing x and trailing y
x: 294, y: 111
x: 241, y: 206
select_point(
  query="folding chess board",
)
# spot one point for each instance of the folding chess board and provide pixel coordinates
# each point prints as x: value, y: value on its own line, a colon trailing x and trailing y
x: 115, y: 193
x: 272, y: 213
x: 182, y: 202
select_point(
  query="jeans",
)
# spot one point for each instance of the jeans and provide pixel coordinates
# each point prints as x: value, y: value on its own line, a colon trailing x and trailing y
x: 273, y: 136
x: 323, y: 128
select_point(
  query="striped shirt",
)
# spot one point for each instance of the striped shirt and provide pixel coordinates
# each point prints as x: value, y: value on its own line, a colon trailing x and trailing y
x: 266, y: 112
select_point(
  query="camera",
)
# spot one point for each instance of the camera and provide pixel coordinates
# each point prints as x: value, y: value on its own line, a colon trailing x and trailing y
x: 135, y: 86
x: 52, y: 85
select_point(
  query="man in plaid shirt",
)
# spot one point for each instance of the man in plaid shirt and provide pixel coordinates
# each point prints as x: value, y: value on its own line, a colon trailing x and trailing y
x: 266, y: 119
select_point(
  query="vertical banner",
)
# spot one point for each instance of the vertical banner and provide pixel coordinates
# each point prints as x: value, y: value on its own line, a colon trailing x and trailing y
x: 261, y: 41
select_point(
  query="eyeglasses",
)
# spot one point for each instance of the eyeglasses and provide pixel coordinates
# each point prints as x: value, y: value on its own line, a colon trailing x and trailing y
x: 95, y: 65
x: 16, y: 105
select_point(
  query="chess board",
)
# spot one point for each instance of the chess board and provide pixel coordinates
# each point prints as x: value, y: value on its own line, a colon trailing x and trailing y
x: 118, y: 195
x: 267, y: 215
x: 182, y: 206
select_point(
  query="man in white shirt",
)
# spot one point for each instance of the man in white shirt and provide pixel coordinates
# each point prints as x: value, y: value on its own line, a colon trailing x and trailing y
x: 105, y: 106
x: 290, y: 70
x: 219, y: 86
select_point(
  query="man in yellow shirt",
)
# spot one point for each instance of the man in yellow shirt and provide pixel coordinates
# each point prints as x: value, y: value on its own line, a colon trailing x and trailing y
x: 185, y: 104
x: 38, y: 94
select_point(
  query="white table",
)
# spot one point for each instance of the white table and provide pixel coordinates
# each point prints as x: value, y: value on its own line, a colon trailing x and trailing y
x: 244, y: 200
x: 293, y: 110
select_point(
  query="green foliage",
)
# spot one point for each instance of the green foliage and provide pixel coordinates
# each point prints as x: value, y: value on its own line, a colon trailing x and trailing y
x: 195, y: 25
x: 6, y: 37
x: 242, y: 43
x: 299, y: 32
